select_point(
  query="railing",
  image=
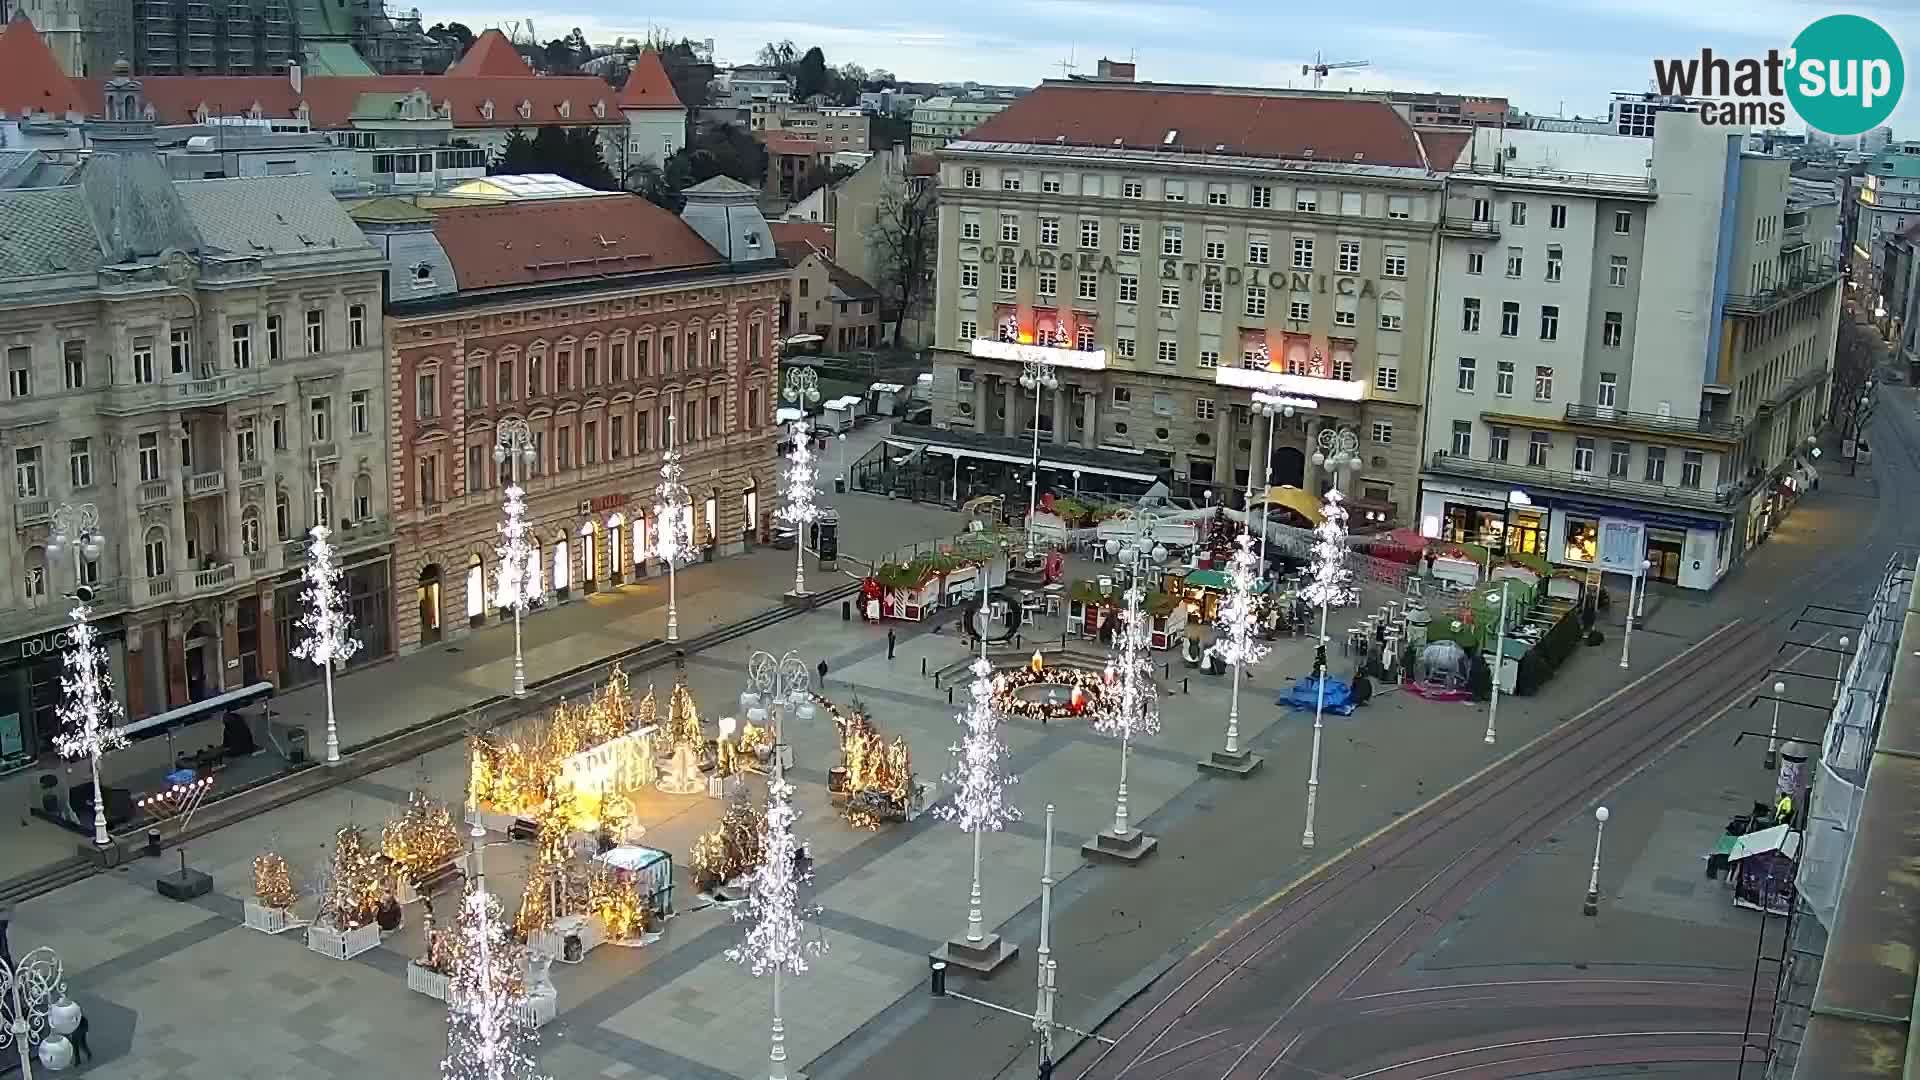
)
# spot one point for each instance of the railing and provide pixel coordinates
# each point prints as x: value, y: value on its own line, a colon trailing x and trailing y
x: 138, y: 397
x: 27, y: 621
x: 251, y: 474
x: 257, y: 563
x: 1656, y: 422
x: 155, y: 491
x: 160, y: 586
x: 33, y: 511
x: 326, y: 451
x: 207, y: 579
x: 208, y: 483
x: 1506, y: 472
x: 1794, y: 389
x: 1455, y: 225
x: 1811, y: 277
x: 1606, y: 181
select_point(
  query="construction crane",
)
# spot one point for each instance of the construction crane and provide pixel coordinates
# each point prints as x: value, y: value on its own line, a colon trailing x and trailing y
x: 1320, y: 67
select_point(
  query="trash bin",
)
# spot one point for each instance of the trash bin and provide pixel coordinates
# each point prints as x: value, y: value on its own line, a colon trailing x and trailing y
x: 296, y: 746
x: 839, y: 485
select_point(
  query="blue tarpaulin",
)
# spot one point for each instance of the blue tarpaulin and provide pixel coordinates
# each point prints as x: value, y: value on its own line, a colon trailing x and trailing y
x: 1305, y: 694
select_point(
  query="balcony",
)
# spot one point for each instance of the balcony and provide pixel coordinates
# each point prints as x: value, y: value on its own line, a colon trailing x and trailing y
x: 1611, y: 183
x: 207, y: 483
x: 325, y: 453
x: 1469, y: 229
x: 130, y: 400
x: 1718, y: 499
x: 22, y: 622
x: 155, y: 492
x: 159, y: 588
x: 1808, y: 380
x: 32, y: 511
x: 252, y: 473
x: 1811, y: 278
x: 352, y: 537
x: 209, y: 578
x: 1603, y: 416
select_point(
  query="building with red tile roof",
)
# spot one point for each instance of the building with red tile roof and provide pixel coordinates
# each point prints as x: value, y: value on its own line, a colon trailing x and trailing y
x: 31, y: 82
x: 813, y: 234
x: 491, y: 56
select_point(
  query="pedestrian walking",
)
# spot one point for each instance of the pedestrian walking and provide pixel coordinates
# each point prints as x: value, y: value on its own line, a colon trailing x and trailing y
x: 6, y: 953
x: 81, y: 1051
x: 823, y: 674
x: 891, y: 641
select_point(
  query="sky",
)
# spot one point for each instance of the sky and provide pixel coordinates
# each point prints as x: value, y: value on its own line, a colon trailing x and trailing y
x: 1545, y: 57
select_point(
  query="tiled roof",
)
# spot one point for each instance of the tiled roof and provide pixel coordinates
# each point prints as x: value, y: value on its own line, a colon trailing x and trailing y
x: 565, y: 239
x: 30, y: 78
x: 794, y: 146
x: 491, y: 56
x: 923, y: 165
x: 278, y: 215
x: 48, y: 231
x: 853, y: 285
x: 722, y: 185
x: 648, y: 86
x: 794, y: 252
x: 1444, y: 145
x: 811, y: 233
x: 1258, y: 123
x: 331, y: 102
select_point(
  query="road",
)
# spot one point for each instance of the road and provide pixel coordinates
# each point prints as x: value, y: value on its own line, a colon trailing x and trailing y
x: 1318, y: 981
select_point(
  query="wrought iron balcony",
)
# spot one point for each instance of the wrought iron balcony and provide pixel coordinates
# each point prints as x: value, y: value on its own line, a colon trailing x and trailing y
x: 1605, y: 416
x: 1720, y: 498
x: 1811, y: 278
x: 1457, y: 226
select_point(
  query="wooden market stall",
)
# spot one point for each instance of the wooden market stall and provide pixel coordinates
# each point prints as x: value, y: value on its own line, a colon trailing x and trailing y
x: 1094, y: 607
x: 1202, y: 590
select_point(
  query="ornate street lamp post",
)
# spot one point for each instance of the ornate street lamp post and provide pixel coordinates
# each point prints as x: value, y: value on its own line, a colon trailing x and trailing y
x: 89, y: 716
x: 1035, y: 376
x: 513, y: 448
x: 38, y: 1011
x: 1332, y: 585
x: 673, y: 525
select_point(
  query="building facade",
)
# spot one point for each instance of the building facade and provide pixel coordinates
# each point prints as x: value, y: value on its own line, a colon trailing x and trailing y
x: 1887, y: 201
x: 1632, y: 337
x: 938, y: 121
x: 201, y: 361
x: 1206, y: 256
x: 594, y: 321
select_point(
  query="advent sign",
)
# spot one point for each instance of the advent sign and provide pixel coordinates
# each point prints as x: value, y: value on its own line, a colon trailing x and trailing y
x: 1175, y: 270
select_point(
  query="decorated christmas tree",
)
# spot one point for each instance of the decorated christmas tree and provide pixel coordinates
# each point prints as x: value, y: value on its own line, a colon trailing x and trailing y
x: 551, y: 889
x: 273, y: 881
x: 683, y: 719
x: 1220, y: 536
x: 355, y: 881
x: 488, y: 1037
x: 647, y: 713
x: 734, y: 847
x: 422, y: 840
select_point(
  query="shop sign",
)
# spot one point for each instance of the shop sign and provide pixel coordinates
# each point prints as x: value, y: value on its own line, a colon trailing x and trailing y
x: 608, y: 502
x: 1048, y: 260
x: 50, y: 643
x: 1623, y: 545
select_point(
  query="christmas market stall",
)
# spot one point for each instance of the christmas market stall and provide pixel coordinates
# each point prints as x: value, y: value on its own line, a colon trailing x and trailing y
x: 1764, y: 864
x: 1202, y: 590
x: 1094, y: 606
x: 916, y: 589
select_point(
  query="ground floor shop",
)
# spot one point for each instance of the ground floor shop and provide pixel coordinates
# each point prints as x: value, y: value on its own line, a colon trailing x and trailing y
x: 30, y: 672
x: 1692, y: 552
x: 1773, y: 501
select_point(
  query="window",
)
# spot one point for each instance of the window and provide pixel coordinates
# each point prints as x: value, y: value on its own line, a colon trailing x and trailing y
x: 1123, y: 397
x: 1515, y: 262
x: 1346, y: 311
x: 1049, y: 232
x: 1499, y: 442
x: 1470, y: 314
x: 240, y: 345
x: 1009, y: 229
x: 1261, y: 198
x: 969, y: 276
x: 1618, y: 457
x: 969, y: 230
x: 1509, y: 319
x: 1169, y: 296
x: 1476, y: 262
x: 1257, y: 249
x: 1133, y: 189
x: 1298, y: 309
x: 282, y: 515
x: 1129, y: 289
x: 1656, y: 465
x: 250, y: 531
x: 1256, y: 302
x: 180, y: 350
x: 1124, y: 347
x: 503, y: 383
x: 1172, y: 240
x: 1557, y: 216
x: 1129, y: 237
x: 1393, y: 261
x: 537, y: 374
x: 1483, y: 210
x: 1583, y: 455
x: 1009, y: 277
x: 1549, y: 322
x: 1083, y: 338
x: 1162, y: 404
x: 1517, y: 213
x: 156, y: 552
x: 149, y: 456
x: 590, y: 440
x: 1399, y: 207
x: 1348, y: 260
x: 429, y: 488
x: 968, y: 331
x: 1386, y: 374
x: 320, y: 420
x: 361, y: 403
x: 273, y: 338
x: 74, y: 354
x: 617, y: 354
x: 1306, y: 201
x: 362, y: 497
x: 1463, y: 380
x: 1088, y: 287
x: 1216, y: 194
x: 970, y: 178
x: 1009, y: 181
x: 1216, y: 250
x: 246, y: 444
x: 1049, y: 283
x: 1692, y: 464
x: 1303, y: 253
x: 1610, y: 330
x: 1462, y: 445
x: 1209, y: 359
x: 1203, y: 407
x: 1174, y: 190
x: 426, y: 397
x: 1554, y: 256
x: 1542, y: 383
x: 19, y: 372
x: 1539, y: 447
x: 1617, y: 271
x: 1211, y: 293
x: 1089, y: 233
x: 1503, y: 376
x: 1168, y: 352
x: 1623, y: 222
x: 26, y: 472
x: 1050, y: 183
x: 1609, y: 389
x: 143, y: 360
x: 316, y: 331
x: 1391, y: 313
x: 1383, y: 432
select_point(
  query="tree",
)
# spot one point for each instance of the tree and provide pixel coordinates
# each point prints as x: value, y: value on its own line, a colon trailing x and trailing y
x: 457, y: 31
x: 1855, y: 356
x: 718, y: 150
x: 822, y: 175
x: 886, y: 129
x: 903, y: 247
x: 778, y: 56
x: 558, y: 57
x: 570, y: 152
x: 810, y: 75
x: 650, y: 182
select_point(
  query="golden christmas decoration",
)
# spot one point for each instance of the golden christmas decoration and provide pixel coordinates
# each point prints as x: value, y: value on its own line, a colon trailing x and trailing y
x: 421, y: 841
x: 614, y: 897
x: 356, y: 881
x: 273, y: 881
x: 734, y: 847
x: 597, y: 749
x: 880, y: 786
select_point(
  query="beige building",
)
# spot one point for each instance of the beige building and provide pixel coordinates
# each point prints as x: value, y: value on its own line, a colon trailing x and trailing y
x: 835, y: 129
x: 938, y: 121
x: 1207, y: 242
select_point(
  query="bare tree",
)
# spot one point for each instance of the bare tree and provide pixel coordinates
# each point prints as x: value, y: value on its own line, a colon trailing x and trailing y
x: 1855, y: 356
x: 903, y: 251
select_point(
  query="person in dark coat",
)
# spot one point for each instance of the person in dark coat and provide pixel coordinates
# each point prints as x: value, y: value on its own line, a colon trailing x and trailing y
x: 891, y: 641
x: 823, y: 674
x: 6, y: 953
x: 81, y: 1051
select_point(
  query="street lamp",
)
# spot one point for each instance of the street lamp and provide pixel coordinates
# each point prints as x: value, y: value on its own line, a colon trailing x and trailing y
x: 1076, y: 483
x: 1274, y: 408
x: 1592, y: 906
x: 803, y: 387
x: 1499, y: 660
x: 1035, y: 376
x: 1635, y: 583
x: 513, y: 448
x: 1332, y: 584
x: 1773, y: 730
x: 1841, y: 672
x: 329, y: 626
x: 673, y: 525
x: 1132, y: 708
x: 89, y: 715
x: 1239, y: 644
x: 798, y: 509
x: 776, y: 684
x: 36, y: 990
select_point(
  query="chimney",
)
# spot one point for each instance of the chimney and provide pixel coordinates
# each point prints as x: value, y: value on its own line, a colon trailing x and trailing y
x: 1116, y: 70
x: 293, y: 76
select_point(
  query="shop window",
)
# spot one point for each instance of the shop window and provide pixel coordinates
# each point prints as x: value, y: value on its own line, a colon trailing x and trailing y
x: 1583, y: 540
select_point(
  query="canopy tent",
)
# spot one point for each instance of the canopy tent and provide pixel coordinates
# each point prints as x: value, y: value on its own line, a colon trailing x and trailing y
x: 1780, y: 838
x: 1294, y: 499
x: 1216, y: 580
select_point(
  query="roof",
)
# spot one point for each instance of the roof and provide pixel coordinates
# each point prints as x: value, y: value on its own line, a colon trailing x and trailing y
x: 491, y: 56
x: 795, y: 252
x: 328, y: 58
x: 648, y: 85
x: 510, y: 186
x: 1444, y: 145
x: 281, y: 215
x: 851, y: 285
x: 794, y: 145
x: 30, y: 78
x: 811, y: 233
x: 388, y: 209
x: 543, y: 241
x: 722, y: 185
x: 48, y: 230
x: 923, y: 165
x: 1209, y: 119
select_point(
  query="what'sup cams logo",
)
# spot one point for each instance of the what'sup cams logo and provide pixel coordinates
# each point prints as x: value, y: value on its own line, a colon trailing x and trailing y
x: 1843, y: 75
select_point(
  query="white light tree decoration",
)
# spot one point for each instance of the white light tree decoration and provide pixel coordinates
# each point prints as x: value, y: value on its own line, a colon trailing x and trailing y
x: 1134, y: 710
x: 514, y: 572
x: 1239, y: 643
x: 329, y: 640
x: 775, y: 944
x: 1332, y: 586
x: 89, y: 716
x: 487, y: 1030
x: 799, y: 510
x: 673, y: 525
x: 979, y: 785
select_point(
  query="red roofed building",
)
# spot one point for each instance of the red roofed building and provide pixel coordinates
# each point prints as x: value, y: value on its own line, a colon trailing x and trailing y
x: 656, y: 117
x: 790, y: 160
x: 1176, y: 248
x: 593, y: 320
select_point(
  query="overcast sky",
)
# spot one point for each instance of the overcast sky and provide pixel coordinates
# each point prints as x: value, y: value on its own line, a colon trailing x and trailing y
x: 1544, y: 56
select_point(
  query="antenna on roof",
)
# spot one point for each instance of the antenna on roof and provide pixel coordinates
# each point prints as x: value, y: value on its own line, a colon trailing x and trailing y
x: 1068, y: 67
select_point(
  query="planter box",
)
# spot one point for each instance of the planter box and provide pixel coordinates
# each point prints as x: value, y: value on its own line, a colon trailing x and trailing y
x: 342, y: 945
x: 265, y: 919
x: 431, y: 983
x: 541, y: 1008
x: 553, y: 940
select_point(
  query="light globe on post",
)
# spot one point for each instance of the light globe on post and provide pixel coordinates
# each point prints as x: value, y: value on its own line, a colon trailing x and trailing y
x: 1592, y: 905
x: 1332, y: 586
x: 90, y: 717
x: 1772, y: 760
x: 1035, y: 376
x: 513, y: 451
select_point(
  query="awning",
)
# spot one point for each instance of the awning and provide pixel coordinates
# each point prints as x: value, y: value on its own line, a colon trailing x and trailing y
x: 1213, y: 579
x: 884, y: 388
x: 787, y: 414
x: 198, y: 711
x: 1047, y: 460
x: 1293, y: 499
x: 851, y: 401
x: 1780, y: 838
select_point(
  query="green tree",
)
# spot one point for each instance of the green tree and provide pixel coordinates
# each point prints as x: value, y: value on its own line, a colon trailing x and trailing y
x: 458, y: 32
x: 516, y: 156
x: 778, y: 56
x: 570, y: 152
x: 810, y: 75
x: 558, y: 57
x: 719, y: 150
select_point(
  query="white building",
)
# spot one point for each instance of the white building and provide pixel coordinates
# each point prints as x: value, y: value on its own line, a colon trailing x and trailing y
x: 1632, y: 337
x: 656, y: 117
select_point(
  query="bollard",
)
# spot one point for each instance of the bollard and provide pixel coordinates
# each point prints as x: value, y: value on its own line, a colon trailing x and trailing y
x: 938, y: 971
x: 923, y: 667
x: 846, y: 611
x: 949, y: 695
x: 1017, y: 642
x: 153, y: 841
x: 1183, y: 685
x: 1063, y: 639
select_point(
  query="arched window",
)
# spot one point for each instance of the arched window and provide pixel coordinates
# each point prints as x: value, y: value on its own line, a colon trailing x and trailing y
x: 250, y: 531
x: 750, y: 506
x: 156, y: 551
x: 588, y: 554
x: 561, y: 553
x: 282, y: 515
x: 713, y: 516
x: 476, y: 589
x: 35, y: 579
x: 616, y: 544
x: 535, y: 584
x: 323, y: 504
x: 640, y: 541
x: 362, y: 497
